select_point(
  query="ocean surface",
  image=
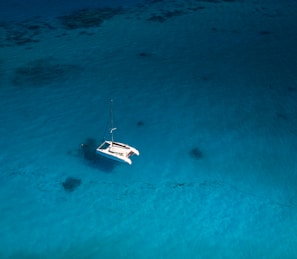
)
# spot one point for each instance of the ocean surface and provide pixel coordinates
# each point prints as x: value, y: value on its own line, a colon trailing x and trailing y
x: 206, y: 90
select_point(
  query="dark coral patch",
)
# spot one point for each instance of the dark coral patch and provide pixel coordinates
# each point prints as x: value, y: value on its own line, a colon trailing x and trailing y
x: 23, y: 33
x: 209, y: 1
x: 170, y: 14
x: 291, y: 89
x: 20, y: 37
x: 144, y: 54
x: 282, y: 116
x: 196, y: 8
x: 265, y: 33
x: 179, y: 185
x: 182, y: 184
x: 61, y: 35
x: 217, y: 1
x: 87, y: 18
x: 156, y: 18
x: 42, y: 72
x: 196, y: 153
x: 155, y: 1
x: 86, y: 33
x: 140, y: 123
x: 71, y: 183
x: 164, y: 16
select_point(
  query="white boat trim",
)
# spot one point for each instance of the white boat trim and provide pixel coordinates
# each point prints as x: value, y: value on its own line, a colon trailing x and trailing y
x: 116, y: 150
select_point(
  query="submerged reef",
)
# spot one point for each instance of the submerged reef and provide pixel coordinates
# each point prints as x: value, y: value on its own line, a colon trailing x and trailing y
x: 22, y: 33
x: 165, y: 15
x: 154, y: 1
x: 140, y: 123
x: 196, y: 153
x: 71, y: 183
x: 87, y: 18
x: 216, y: 1
x: 264, y: 32
x: 42, y: 72
x: 144, y: 54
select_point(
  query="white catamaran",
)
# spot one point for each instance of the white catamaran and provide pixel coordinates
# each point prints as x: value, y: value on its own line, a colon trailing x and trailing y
x: 115, y: 150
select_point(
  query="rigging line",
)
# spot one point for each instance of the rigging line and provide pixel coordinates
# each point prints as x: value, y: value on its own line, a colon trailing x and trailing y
x: 111, y: 116
x: 106, y: 127
x: 111, y: 121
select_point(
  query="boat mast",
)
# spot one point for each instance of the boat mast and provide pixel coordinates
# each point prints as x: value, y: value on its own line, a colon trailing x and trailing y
x: 111, y: 122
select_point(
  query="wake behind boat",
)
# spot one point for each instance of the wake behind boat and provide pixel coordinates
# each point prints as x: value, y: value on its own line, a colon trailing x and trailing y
x: 115, y: 150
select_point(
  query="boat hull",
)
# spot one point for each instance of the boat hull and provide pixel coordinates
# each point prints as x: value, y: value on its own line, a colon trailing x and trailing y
x: 128, y: 161
x: 117, y: 151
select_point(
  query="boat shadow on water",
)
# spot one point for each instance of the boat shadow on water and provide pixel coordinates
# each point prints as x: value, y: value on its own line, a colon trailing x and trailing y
x: 87, y: 151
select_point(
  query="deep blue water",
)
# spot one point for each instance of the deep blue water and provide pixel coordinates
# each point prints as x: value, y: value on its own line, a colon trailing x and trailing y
x: 19, y: 10
x: 206, y: 90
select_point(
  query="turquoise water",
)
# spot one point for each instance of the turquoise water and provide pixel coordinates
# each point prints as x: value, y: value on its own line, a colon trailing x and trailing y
x: 206, y: 90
